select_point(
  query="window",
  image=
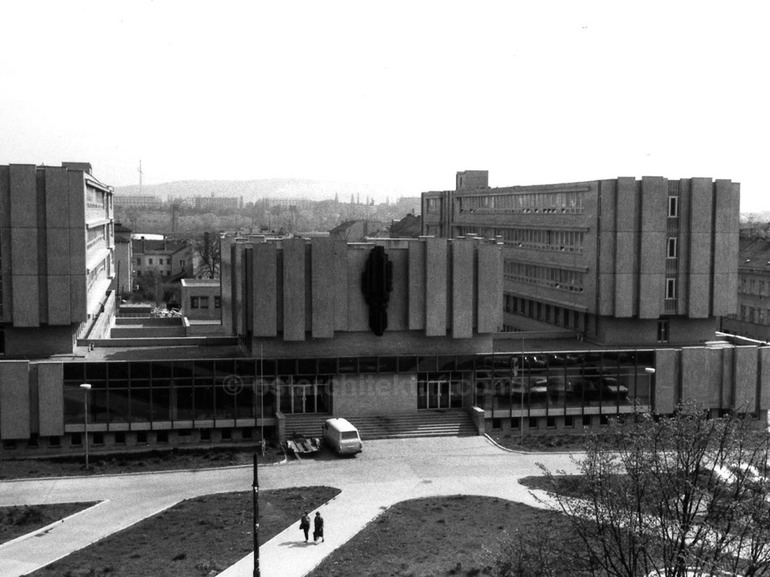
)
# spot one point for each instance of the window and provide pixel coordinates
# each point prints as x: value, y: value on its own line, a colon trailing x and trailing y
x: 194, y: 302
x: 670, y: 288
x: 149, y: 261
x: 138, y: 273
x: 673, y: 206
x: 168, y: 260
x: 139, y: 261
x: 217, y: 302
x: 204, y: 302
x: 663, y: 329
x: 671, y: 248
x: 181, y: 263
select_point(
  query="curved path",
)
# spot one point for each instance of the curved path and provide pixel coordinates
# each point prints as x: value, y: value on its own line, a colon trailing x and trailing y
x: 385, y: 473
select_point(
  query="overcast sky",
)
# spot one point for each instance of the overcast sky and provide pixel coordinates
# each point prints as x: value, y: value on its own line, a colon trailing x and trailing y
x: 400, y: 94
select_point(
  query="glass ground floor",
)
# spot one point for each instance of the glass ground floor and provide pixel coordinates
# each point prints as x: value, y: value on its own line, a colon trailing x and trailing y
x: 242, y: 392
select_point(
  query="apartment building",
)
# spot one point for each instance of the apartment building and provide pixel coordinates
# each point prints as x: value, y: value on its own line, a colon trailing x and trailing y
x: 56, y: 258
x: 752, y: 319
x: 622, y: 261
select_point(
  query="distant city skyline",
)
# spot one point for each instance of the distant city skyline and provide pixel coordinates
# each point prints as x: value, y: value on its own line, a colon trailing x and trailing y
x: 398, y: 96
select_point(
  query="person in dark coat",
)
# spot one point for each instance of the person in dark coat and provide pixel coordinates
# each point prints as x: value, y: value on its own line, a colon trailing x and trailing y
x: 318, y: 528
x: 304, y: 524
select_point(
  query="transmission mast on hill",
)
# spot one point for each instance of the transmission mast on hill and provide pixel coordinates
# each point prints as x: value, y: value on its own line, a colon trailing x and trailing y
x: 140, y: 176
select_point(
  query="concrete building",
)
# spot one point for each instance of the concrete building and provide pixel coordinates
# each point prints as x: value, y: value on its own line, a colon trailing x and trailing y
x: 123, y: 260
x: 201, y: 300
x: 398, y: 335
x: 617, y: 262
x: 56, y: 258
x: 218, y: 202
x: 138, y: 201
x: 753, y: 316
x: 168, y: 259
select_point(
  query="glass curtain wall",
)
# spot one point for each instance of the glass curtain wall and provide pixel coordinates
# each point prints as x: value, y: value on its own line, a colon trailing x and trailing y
x: 560, y: 382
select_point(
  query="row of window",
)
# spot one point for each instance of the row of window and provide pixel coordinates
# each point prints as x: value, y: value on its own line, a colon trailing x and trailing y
x: 95, y: 235
x: 753, y: 286
x: 558, y: 278
x: 203, y: 302
x: 100, y: 271
x: 537, y: 238
x: 755, y: 315
x: 532, y: 202
x: 552, y: 314
x: 160, y: 261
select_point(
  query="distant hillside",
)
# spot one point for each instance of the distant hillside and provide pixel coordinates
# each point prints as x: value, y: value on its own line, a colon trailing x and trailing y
x: 253, y: 190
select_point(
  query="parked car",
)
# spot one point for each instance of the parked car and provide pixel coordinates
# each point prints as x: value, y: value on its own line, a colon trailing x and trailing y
x: 534, y: 361
x: 559, y: 387
x: 599, y: 388
x: 557, y: 359
x: 610, y: 387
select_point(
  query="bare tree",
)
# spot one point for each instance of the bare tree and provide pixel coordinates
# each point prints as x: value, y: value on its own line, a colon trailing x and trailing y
x: 209, y: 255
x: 664, y: 496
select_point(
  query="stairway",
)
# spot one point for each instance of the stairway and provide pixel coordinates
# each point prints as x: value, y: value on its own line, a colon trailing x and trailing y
x: 440, y: 423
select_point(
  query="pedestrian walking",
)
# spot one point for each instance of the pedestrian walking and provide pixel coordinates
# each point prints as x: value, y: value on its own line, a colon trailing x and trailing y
x: 304, y: 524
x: 318, y: 528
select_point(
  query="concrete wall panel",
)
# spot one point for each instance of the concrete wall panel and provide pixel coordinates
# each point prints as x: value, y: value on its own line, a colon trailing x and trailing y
x: 416, y: 285
x: 398, y: 307
x: 57, y: 204
x: 226, y: 272
x: 78, y: 301
x: 490, y: 288
x: 652, y: 258
x: 358, y: 311
x: 26, y: 300
x: 50, y: 403
x: 605, y: 244
x: 322, y: 288
x: 58, y: 288
x: 57, y: 242
x: 726, y: 221
x: 764, y: 378
x: 666, y: 379
x: 14, y: 400
x: 436, y: 284
x: 700, y: 248
x: 696, y: 371
x: 294, y: 290
x: 377, y: 394
x: 23, y: 196
x: 463, y: 276
x: 746, y: 367
x: 77, y: 198
x: 340, y: 285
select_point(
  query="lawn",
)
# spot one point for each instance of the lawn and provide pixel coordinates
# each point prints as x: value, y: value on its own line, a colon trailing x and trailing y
x: 23, y: 519
x: 198, y: 537
x: 141, y: 461
x: 440, y: 536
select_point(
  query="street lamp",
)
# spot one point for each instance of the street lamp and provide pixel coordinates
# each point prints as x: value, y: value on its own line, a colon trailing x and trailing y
x: 651, y: 371
x: 86, y: 387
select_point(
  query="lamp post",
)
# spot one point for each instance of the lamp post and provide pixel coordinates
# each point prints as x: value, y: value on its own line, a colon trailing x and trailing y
x: 651, y: 371
x: 86, y: 387
x: 255, y: 503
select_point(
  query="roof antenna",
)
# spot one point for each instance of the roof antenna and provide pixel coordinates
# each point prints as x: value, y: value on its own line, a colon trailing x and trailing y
x: 140, y: 176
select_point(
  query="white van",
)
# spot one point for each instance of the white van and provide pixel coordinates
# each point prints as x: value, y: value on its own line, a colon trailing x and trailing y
x: 341, y: 436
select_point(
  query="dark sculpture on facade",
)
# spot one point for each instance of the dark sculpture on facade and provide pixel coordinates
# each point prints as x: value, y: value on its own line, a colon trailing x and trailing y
x: 377, y: 284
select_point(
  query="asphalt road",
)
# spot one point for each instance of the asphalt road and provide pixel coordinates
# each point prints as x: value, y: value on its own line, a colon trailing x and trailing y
x: 386, y: 472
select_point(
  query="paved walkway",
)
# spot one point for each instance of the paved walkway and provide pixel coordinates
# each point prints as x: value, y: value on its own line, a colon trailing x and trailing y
x: 385, y: 473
